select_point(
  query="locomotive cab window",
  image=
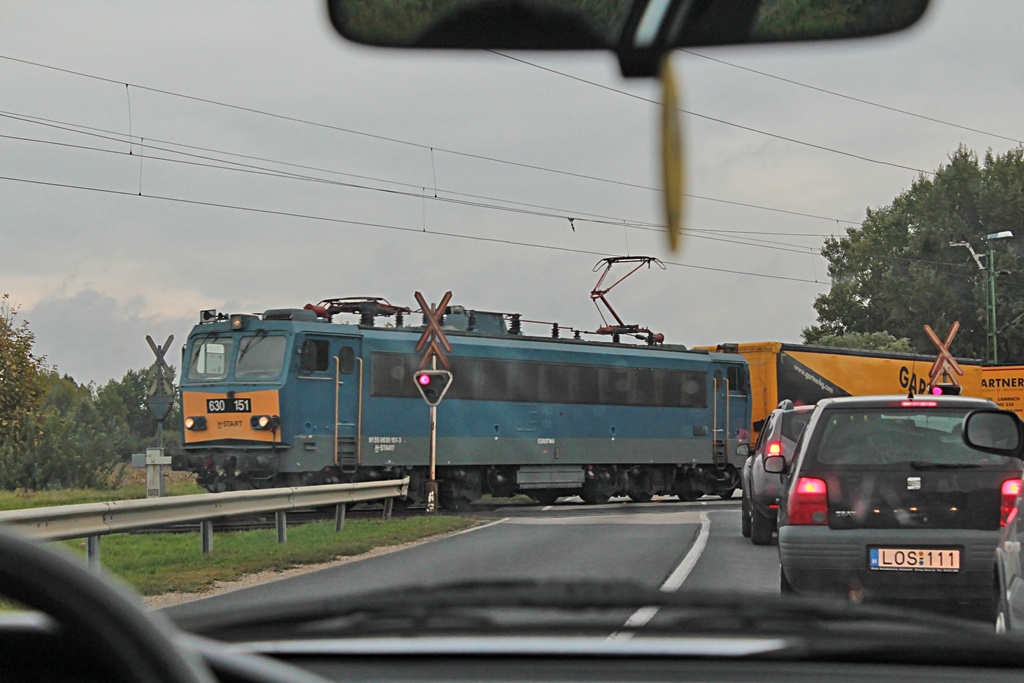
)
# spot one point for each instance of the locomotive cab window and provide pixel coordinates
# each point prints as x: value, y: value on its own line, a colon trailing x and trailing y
x: 260, y: 356
x: 315, y: 356
x: 739, y: 380
x: 209, y: 359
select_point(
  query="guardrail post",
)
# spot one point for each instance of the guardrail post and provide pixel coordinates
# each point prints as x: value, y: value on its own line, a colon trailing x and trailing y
x: 92, y: 553
x: 339, y: 516
x: 282, y: 526
x: 206, y: 532
x: 388, y: 503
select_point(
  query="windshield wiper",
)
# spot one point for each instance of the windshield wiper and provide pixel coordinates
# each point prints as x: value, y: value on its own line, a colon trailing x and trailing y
x: 926, y: 465
x: 250, y: 342
x: 558, y: 608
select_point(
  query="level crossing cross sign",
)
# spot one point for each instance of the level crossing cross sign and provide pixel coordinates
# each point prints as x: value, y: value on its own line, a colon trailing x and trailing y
x: 160, y: 391
x: 945, y: 365
x: 433, y: 339
x: 159, y: 374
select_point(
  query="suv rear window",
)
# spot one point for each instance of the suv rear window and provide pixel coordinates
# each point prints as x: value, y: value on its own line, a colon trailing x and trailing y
x: 899, y: 437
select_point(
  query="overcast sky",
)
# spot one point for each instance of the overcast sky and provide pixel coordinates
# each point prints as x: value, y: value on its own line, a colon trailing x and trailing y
x: 435, y: 172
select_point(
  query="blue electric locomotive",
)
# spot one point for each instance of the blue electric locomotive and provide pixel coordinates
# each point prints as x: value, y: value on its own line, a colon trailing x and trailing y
x: 292, y: 398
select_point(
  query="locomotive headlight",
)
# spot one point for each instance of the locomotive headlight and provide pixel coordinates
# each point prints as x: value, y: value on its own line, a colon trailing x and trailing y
x: 264, y: 422
x: 196, y: 424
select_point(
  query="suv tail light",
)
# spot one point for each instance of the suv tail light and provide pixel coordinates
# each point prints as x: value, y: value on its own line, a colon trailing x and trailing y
x: 808, y: 503
x: 1008, y: 499
x: 775, y: 448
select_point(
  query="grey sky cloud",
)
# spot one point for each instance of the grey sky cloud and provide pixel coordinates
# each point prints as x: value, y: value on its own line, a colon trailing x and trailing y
x: 160, y: 235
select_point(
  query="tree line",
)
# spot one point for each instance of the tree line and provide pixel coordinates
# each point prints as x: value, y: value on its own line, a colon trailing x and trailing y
x: 57, y: 433
x: 901, y: 268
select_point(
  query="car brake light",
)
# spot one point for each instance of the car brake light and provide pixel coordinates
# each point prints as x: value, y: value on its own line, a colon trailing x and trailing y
x: 919, y: 404
x: 1008, y: 500
x: 808, y: 503
x: 775, y: 448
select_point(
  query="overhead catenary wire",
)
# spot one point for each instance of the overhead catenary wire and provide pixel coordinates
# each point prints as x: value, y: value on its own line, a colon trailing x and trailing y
x: 74, y: 127
x: 714, y: 119
x: 419, y: 194
x: 851, y: 98
x: 422, y: 195
x: 711, y: 234
x: 431, y: 148
x: 385, y: 226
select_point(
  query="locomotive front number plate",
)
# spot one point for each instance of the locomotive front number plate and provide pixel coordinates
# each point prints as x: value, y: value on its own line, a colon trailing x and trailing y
x: 229, y: 405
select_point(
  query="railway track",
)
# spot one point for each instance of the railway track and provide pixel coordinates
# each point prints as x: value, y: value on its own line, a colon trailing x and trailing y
x: 375, y: 511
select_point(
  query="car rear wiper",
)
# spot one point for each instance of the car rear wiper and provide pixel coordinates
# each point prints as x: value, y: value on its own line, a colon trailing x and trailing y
x: 926, y: 465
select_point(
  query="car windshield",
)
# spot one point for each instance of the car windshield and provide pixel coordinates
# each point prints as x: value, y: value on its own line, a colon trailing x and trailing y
x: 243, y: 256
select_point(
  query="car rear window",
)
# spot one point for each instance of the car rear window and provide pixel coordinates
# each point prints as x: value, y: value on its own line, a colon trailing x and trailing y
x: 897, y: 437
x: 793, y: 423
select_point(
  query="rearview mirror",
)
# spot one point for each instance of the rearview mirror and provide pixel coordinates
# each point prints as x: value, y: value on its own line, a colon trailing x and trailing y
x: 994, y: 431
x: 640, y: 32
x: 743, y: 450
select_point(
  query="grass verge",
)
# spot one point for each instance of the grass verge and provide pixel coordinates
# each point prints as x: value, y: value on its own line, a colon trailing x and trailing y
x: 155, y: 564
x: 22, y: 500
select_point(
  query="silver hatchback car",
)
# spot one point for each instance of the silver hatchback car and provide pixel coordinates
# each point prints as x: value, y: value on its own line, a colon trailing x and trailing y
x: 884, y: 501
x: 761, y: 490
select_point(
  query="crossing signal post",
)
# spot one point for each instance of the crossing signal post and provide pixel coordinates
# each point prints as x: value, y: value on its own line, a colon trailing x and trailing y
x: 433, y: 383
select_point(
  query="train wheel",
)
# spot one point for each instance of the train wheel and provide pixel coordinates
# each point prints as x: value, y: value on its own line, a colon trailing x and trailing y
x: 594, y: 497
x: 544, y: 496
x: 726, y: 495
x: 593, y: 493
x: 686, y: 491
x: 640, y: 496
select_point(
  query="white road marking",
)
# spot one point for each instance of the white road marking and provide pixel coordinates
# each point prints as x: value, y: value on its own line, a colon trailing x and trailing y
x: 478, y: 528
x: 676, y: 578
x: 643, y: 615
x: 634, y: 518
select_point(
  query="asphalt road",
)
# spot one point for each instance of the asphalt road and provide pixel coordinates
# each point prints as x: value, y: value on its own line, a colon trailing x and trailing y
x: 665, y: 543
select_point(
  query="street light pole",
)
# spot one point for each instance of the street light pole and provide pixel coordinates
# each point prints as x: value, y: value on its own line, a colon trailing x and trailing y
x: 991, y: 352
x: 991, y: 312
x: 990, y: 306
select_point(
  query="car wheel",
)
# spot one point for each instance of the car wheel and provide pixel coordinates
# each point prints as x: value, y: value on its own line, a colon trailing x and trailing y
x: 760, y: 527
x: 784, y: 586
x: 745, y: 518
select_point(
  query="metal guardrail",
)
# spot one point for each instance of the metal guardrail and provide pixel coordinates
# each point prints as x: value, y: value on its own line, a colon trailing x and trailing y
x: 92, y: 520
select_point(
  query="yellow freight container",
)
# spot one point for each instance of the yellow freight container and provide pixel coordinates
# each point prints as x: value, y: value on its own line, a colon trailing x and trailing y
x: 807, y: 374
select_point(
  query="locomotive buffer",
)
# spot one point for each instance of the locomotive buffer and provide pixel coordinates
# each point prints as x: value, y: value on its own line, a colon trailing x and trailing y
x: 433, y: 383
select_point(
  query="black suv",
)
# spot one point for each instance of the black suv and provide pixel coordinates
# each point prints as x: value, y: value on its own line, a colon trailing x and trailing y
x: 885, y: 501
x: 761, y: 490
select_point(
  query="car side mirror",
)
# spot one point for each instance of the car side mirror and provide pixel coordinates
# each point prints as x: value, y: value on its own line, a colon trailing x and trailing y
x: 775, y: 464
x: 994, y: 431
x: 743, y: 449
